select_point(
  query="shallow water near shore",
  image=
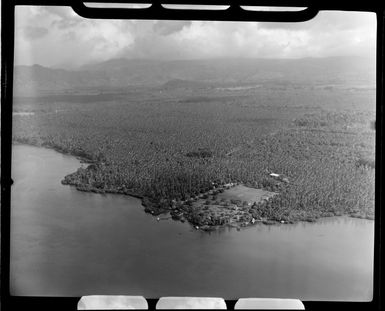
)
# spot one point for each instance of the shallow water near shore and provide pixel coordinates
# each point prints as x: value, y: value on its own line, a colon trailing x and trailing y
x: 70, y: 243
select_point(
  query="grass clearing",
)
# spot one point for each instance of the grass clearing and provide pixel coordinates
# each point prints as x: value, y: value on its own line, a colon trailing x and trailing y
x: 243, y: 193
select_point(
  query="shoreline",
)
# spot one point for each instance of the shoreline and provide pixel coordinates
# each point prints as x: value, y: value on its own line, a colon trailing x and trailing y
x: 183, y: 211
x: 82, y: 159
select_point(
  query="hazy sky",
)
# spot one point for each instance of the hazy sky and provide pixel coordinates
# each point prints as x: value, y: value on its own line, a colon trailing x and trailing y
x: 57, y: 37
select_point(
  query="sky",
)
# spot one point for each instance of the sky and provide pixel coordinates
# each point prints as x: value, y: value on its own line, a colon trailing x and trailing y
x: 57, y: 37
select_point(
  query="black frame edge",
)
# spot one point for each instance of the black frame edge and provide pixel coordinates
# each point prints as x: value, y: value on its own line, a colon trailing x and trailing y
x: 7, y: 58
x: 69, y: 303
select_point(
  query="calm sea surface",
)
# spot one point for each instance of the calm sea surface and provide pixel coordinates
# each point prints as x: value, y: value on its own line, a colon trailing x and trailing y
x: 70, y: 243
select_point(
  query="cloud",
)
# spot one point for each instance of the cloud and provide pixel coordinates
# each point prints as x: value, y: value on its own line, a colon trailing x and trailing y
x: 35, y: 32
x: 58, y: 11
x: 71, y: 41
x: 326, y: 21
x: 166, y: 28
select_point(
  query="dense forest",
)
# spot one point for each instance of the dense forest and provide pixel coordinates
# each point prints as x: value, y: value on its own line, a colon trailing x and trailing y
x: 171, y: 146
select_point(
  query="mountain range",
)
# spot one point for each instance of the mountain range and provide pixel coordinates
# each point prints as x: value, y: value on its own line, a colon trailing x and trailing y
x: 120, y: 73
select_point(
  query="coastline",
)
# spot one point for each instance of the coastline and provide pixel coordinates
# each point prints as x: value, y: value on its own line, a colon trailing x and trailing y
x: 82, y: 158
x: 184, y: 210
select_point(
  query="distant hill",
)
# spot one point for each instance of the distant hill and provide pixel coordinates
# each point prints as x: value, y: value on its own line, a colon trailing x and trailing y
x: 184, y: 84
x: 36, y: 78
x: 117, y: 73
